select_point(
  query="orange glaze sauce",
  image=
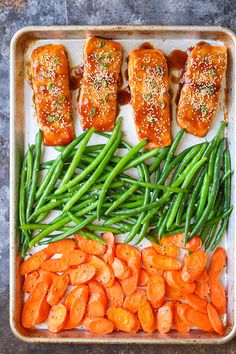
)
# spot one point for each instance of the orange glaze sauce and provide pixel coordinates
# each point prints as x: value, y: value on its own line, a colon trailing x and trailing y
x: 76, y: 77
x: 146, y: 45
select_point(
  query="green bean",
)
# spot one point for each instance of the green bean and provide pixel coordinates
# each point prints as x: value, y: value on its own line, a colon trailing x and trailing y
x: 115, y: 172
x: 35, y: 175
x: 213, y: 194
x: 184, y: 200
x: 40, y: 227
x: 143, y: 157
x: 123, y: 198
x: 154, y: 186
x: 101, y: 157
x: 22, y: 203
x: 203, y: 196
x: 82, y: 233
x: 162, y: 227
x: 44, y: 208
x: 156, y: 163
x: 187, y: 158
x: 30, y: 161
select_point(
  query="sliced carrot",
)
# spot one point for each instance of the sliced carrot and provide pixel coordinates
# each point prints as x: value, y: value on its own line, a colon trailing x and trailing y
x: 199, y: 319
x: 215, y: 319
x: 78, y: 305
x: 125, y: 252
x: 62, y: 246
x: 196, y: 302
x: 166, y: 247
x: 104, y: 272
x: 134, y: 263
x: 174, y: 279
x: 146, y: 316
x: 192, y: 245
x: 194, y: 265
x: 55, y: 265
x: 56, y: 318
x: 50, y: 276
x: 143, y: 277
x: 57, y: 289
x: 156, y: 290
x: 204, y: 276
x: 97, y: 304
x: 122, y: 319
x: 174, y: 294
x: 133, y: 300
x: 36, y: 309
x: 178, y: 323
x: 129, y: 284
x: 30, y: 281
x: 218, y: 262
x: 165, y: 318
x: 98, y: 325
x: 109, y: 255
x: 115, y: 294
x: 76, y: 257
x: 136, y: 327
x: 72, y: 295
x: 150, y: 256
x: 68, y: 324
x: 182, y: 310
x: 150, y: 269
x: 120, y: 269
x: 95, y: 286
x: 34, y: 262
x: 217, y: 296
x: 82, y: 274
x: 202, y: 289
x: 90, y: 246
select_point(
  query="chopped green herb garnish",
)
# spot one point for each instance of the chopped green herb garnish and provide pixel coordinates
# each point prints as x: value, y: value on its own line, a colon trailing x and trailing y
x: 21, y: 73
x: 213, y: 72
x: 105, y: 65
x: 62, y: 99
x: 107, y: 97
x: 49, y: 86
x: 95, y: 85
x: 203, y: 111
x: 104, y: 83
x: 105, y: 56
x: 208, y: 90
x: 148, y: 96
x: 159, y: 69
x: 93, y: 111
x: 51, y: 119
x: 162, y: 104
x: 101, y: 44
x: 56, y: 59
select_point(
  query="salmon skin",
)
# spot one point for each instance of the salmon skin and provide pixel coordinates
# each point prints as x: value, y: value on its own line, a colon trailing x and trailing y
x: 50, y: 82
x: 149, y: 85
x: 98, y: 96
x: 199, y: 96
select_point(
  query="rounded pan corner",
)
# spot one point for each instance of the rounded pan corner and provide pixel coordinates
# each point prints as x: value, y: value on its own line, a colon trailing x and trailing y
x: 229, y: 336
x: 229, y: 32
x: 17, y: 333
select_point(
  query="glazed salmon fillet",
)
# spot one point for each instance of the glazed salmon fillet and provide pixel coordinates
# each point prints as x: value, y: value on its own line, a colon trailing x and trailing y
x: 98, y: 96
x: 50, y: 82
x: 149, y: 85
x: 199, y: 96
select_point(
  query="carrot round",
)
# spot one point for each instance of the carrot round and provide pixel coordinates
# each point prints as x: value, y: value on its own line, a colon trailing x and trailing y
x: 97, y: 304
x: 165, y: 318
x: 125, y: 252
x: 133, y: 300
x: 199, y: 319
x: 156, y: 290
x: 109, y: 255
x: 95, y: 286
x: 120, y: 268
x: 129, y: 284
x: 166, y: 247
x: 122, y: 319
x: 90, y: 246
x: 143, y: 277
x: 134, y: 263
x: 202, y: 289
x: 98, y: 325
x: 217, y: 296
x: 218, y: 262
x: 182, y: 310
x: 78, y: 305
x: 215, y: 319
x: 174, y: 294
x: 178, y: 323
x: 104, y: 272
x: 68, y: 324
x: 30, y: 281
x: 196, y: 302
x: 115, y: 294
x: 174, y: 279
x: 194, y: 265
x: 57, y: 289
x: 34, y: 262
x: 72, y: 295
x: 150, y: 256
x: 56, y: 318
x: 62, y: 246
x: 82, y: 274
x: 192, y: 245
x: 76, y: 257
x: 146, y: 316
x: 55, y: 265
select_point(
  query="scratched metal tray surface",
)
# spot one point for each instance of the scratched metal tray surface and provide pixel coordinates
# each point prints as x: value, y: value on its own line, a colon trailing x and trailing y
x: 24, y: 127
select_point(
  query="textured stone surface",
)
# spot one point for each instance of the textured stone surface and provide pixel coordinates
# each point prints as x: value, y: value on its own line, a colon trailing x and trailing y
x: 15, y: 14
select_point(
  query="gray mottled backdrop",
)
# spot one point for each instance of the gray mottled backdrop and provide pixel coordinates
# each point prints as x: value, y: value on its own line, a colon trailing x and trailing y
x: 15, y: 14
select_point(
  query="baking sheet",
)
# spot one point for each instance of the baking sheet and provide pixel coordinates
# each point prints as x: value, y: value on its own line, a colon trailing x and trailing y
x: 24, y: 131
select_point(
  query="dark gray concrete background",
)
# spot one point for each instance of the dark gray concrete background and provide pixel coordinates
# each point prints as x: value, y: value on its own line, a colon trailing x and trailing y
x: 15, y: 14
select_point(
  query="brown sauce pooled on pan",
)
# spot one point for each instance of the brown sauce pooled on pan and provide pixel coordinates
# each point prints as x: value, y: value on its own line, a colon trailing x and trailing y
x: 146, y: 45
x: 120, y: 81
x: 76, y: 77
x: 124, y: 96
x: 176, y: 61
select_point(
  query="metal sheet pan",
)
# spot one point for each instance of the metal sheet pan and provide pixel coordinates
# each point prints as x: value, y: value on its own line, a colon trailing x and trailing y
x: 23, y: 127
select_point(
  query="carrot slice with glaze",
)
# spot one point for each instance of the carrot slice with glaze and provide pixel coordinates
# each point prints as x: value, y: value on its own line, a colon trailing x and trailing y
x: 199, y: 319
x: 35, y: 261
x: 82, y: 274
x: 76, y: 257
x: 165, y: 318
x: 122, y: 319
x: 174, y: 294
x: 178, y: 323
x: 109, y: 255
x: 62, y: 246
x: 56, y: 318
x: 182, y: 310
x: 97, y: 304
x: 104, y: 272
x: 192, y: 245
x: 90, y: 246
x: 98, y: 325
x: 57, y: 289
x: 129, y: 284
x: 30, y: 281
x: 217, y: 296
x: 174, y: 279
x: 143, y: 277
x: 146, y: 316
x: 150, y: 256
x: 166, y: 247
x: 120, y: 269
x: 115, y: 294
x: 156, y: 290
x: 194, y: 265
x: 215, y: 319
x: 79, y: 303
x: 126, y: 252
x: 55, y: 265
x: 133, y: 300
x: 218, y: 262
x: 196, y: 302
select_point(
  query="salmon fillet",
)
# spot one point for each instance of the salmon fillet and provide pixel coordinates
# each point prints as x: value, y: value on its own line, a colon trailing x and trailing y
x: 98, y: 96
x: 199, y: 96
x: 50, y: 82
x: 149, y: 85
